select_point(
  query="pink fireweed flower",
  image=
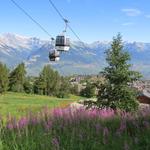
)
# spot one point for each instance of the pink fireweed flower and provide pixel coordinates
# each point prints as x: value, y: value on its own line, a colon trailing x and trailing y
x: 144, y: 112
x: 48, y: 125
x: 34, y: 121
x: 146, y: 124
x: 57, y: 112
x: 103, y: 113
x: 55, y: 143
x: 11, y: 123
x: 121, y: 128
x: 105, y: 135
x: 105, y: 132
x: 106, y: 113
x: 10, y: 126
x: 23, y: 122
x: 98, y: 127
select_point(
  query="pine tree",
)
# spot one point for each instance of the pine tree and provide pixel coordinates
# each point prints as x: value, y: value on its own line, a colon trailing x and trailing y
x: 28, y: 85
x: 64, y: 89
x: 4, y: 73
x: 48, y: 81
x: 117, y: 92
x: 39, y: 86
x: 17, y: 78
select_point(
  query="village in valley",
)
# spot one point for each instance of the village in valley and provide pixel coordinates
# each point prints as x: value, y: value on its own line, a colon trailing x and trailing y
x: 142, y: 86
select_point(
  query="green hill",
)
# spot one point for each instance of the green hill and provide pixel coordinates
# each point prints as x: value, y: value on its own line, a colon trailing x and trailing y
x: 18, y: 104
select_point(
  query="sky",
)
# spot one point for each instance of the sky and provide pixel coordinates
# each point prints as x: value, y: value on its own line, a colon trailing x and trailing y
x: 92, y: 20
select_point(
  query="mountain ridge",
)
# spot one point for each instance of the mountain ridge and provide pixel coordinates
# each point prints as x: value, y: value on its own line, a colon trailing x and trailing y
x: 83, y: 58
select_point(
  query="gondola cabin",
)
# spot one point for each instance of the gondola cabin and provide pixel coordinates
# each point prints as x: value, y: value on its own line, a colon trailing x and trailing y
x: 54, y: 56
x: 62, y: 43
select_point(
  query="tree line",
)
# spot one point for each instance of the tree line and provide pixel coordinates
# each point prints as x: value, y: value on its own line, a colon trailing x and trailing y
x: 49, y: 82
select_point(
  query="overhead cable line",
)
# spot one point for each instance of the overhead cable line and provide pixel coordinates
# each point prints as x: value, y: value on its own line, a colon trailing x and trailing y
x: 74, y: 32
x: 56, y: 9
x: 30, y: 17
x: 64, y: 19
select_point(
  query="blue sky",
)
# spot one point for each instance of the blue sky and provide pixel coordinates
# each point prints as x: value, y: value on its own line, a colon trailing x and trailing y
x: 92, y: 19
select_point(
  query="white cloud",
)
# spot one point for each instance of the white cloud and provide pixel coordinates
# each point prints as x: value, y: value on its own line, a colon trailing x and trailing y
x: 128, y: 24
x: 131, y: 12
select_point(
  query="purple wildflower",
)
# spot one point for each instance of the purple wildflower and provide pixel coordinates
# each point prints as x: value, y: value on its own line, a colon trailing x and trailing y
x: 105, y: 135
x: 122, y: 126
x: 146, y: 124
x: 23, y: 122
x: 55, y: 143
x: 11, y: 123
x: 98, y: 127
x: 48, y: 125
x: 10, y: 126
x: 105, y: 132
x: 34, y: 121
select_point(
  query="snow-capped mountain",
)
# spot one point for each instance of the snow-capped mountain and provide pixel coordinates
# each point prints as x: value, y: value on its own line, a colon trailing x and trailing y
x: 82, y: 58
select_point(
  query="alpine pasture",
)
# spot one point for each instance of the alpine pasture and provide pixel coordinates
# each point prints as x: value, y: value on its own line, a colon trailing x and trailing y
x: 19, y: 104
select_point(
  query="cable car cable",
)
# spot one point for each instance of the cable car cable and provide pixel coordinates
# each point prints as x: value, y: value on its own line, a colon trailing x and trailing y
x: 59, y: 13
x: 74, y: 33
x: 62, y: 17
x: 30, y: 17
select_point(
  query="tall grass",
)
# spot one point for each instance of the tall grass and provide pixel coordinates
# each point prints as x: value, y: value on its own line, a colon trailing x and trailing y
x: 77, y: 129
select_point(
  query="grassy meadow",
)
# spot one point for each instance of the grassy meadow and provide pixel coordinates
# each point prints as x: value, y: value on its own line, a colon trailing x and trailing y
x: 77, y: 129
x: 68, y: 128
x: 18, y: 104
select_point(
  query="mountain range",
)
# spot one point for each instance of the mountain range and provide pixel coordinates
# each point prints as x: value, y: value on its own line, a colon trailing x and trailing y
x: 82, y: 58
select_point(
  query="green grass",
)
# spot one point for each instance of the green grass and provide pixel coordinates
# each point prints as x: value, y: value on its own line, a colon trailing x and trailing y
x: 66, y: 129
x: 18, y: 104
